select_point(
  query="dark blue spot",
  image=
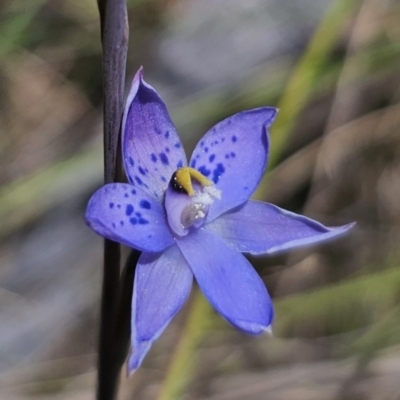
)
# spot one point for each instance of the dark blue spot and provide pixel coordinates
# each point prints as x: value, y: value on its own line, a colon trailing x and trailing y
x: 166, y: 134
x: 163, y: 179
x: 138, y: 180
x: 214, y: 143
x: 142, y: 171
x: 133, y: 221
x: 149, y: 236
x: 143, y: 221
x: 177, y: 145
x: 234, y: 138
x: 133, y: 191
x: 223, y: 140
x: 145, y: 204
x: 111, y: 205
x: 122, y: 223
x: 204, y: 170
x: 129, y: 210
x: 233, y: 154
x: 245, y: 187
x: 164, y: 159
x: 138, y: 214
x: 118, y: 205
x: 218, y: 172
x: 193, y: 164
x: 206, y: 149
x: 131, y: 161
x: 153, y: 157
x: 227, y: 156
x: 158, y: 131
x: 180, y: 164
x: 113, y: 225
x: 201, y: 144
x: 211, y: 158
x: 167, y: 149
x: 126, y: 195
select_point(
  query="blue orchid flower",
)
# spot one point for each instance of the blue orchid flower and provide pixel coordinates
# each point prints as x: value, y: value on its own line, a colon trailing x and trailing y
x: 195, y: 219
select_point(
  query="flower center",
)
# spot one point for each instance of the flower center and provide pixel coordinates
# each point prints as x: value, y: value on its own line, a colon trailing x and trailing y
x: 181, y: 180
x: 188, y: 199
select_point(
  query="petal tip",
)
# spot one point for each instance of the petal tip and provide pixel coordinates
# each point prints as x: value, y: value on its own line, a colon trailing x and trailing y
x: 86, y: 218
x: 130, y: 371
x: 350, y: 225
x: 268, y: 330
x: 342, y: 229
x: 253, y: 328
x: 136, y: 82
x: 273, y: 113
x: 139, y: 74
x: 137, y: 355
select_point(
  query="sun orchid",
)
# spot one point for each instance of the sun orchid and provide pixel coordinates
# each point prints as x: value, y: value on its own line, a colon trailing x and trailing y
x: 195, y: 219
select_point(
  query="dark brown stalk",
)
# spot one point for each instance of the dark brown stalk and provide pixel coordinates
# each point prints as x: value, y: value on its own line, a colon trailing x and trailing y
x: 123, y: 321
x: 114, y: 34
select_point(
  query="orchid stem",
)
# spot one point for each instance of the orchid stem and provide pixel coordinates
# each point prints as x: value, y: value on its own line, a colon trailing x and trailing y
x: 114, y: 34
x: 198, y: 321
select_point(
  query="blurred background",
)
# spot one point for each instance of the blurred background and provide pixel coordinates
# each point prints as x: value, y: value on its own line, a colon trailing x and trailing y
x: 333, y: 68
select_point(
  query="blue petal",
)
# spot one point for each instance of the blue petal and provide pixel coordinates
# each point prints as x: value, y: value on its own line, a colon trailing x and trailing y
x: 128, y: 215
x: 162, y: 285
x: 228, y: 280
x: 233, y: 155
x: 262, y: 228
x: 151, y: 146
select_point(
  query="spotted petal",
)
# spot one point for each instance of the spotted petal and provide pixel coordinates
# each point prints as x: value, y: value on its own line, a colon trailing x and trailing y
x: 262, y: 228
x: 234, y: 154
x: 128, y: 215
x: 162, y: 285
x: 228, y: 281
x: 152, y: 150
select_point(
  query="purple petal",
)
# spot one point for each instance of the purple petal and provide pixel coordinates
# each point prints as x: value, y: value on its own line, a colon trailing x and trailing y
x: 233, y: 154
x: 128, y: 215
x: 151, y: 146
x: 261, y: 228
x: 228, y: 281
x: 162, y: 285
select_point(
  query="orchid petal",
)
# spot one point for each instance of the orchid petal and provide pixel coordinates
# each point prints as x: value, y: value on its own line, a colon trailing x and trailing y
x: 233, y: 154
x: 151, y: 146
x: 262, y: 228
x: 162, y: 285
x: 128, y: 215
x: 228, y: 281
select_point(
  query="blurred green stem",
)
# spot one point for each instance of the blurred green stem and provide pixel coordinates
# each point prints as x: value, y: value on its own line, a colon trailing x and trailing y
x: 305, y: 74
x: 13, y: 30
x: 197, y: 322
x: 293, y: 101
